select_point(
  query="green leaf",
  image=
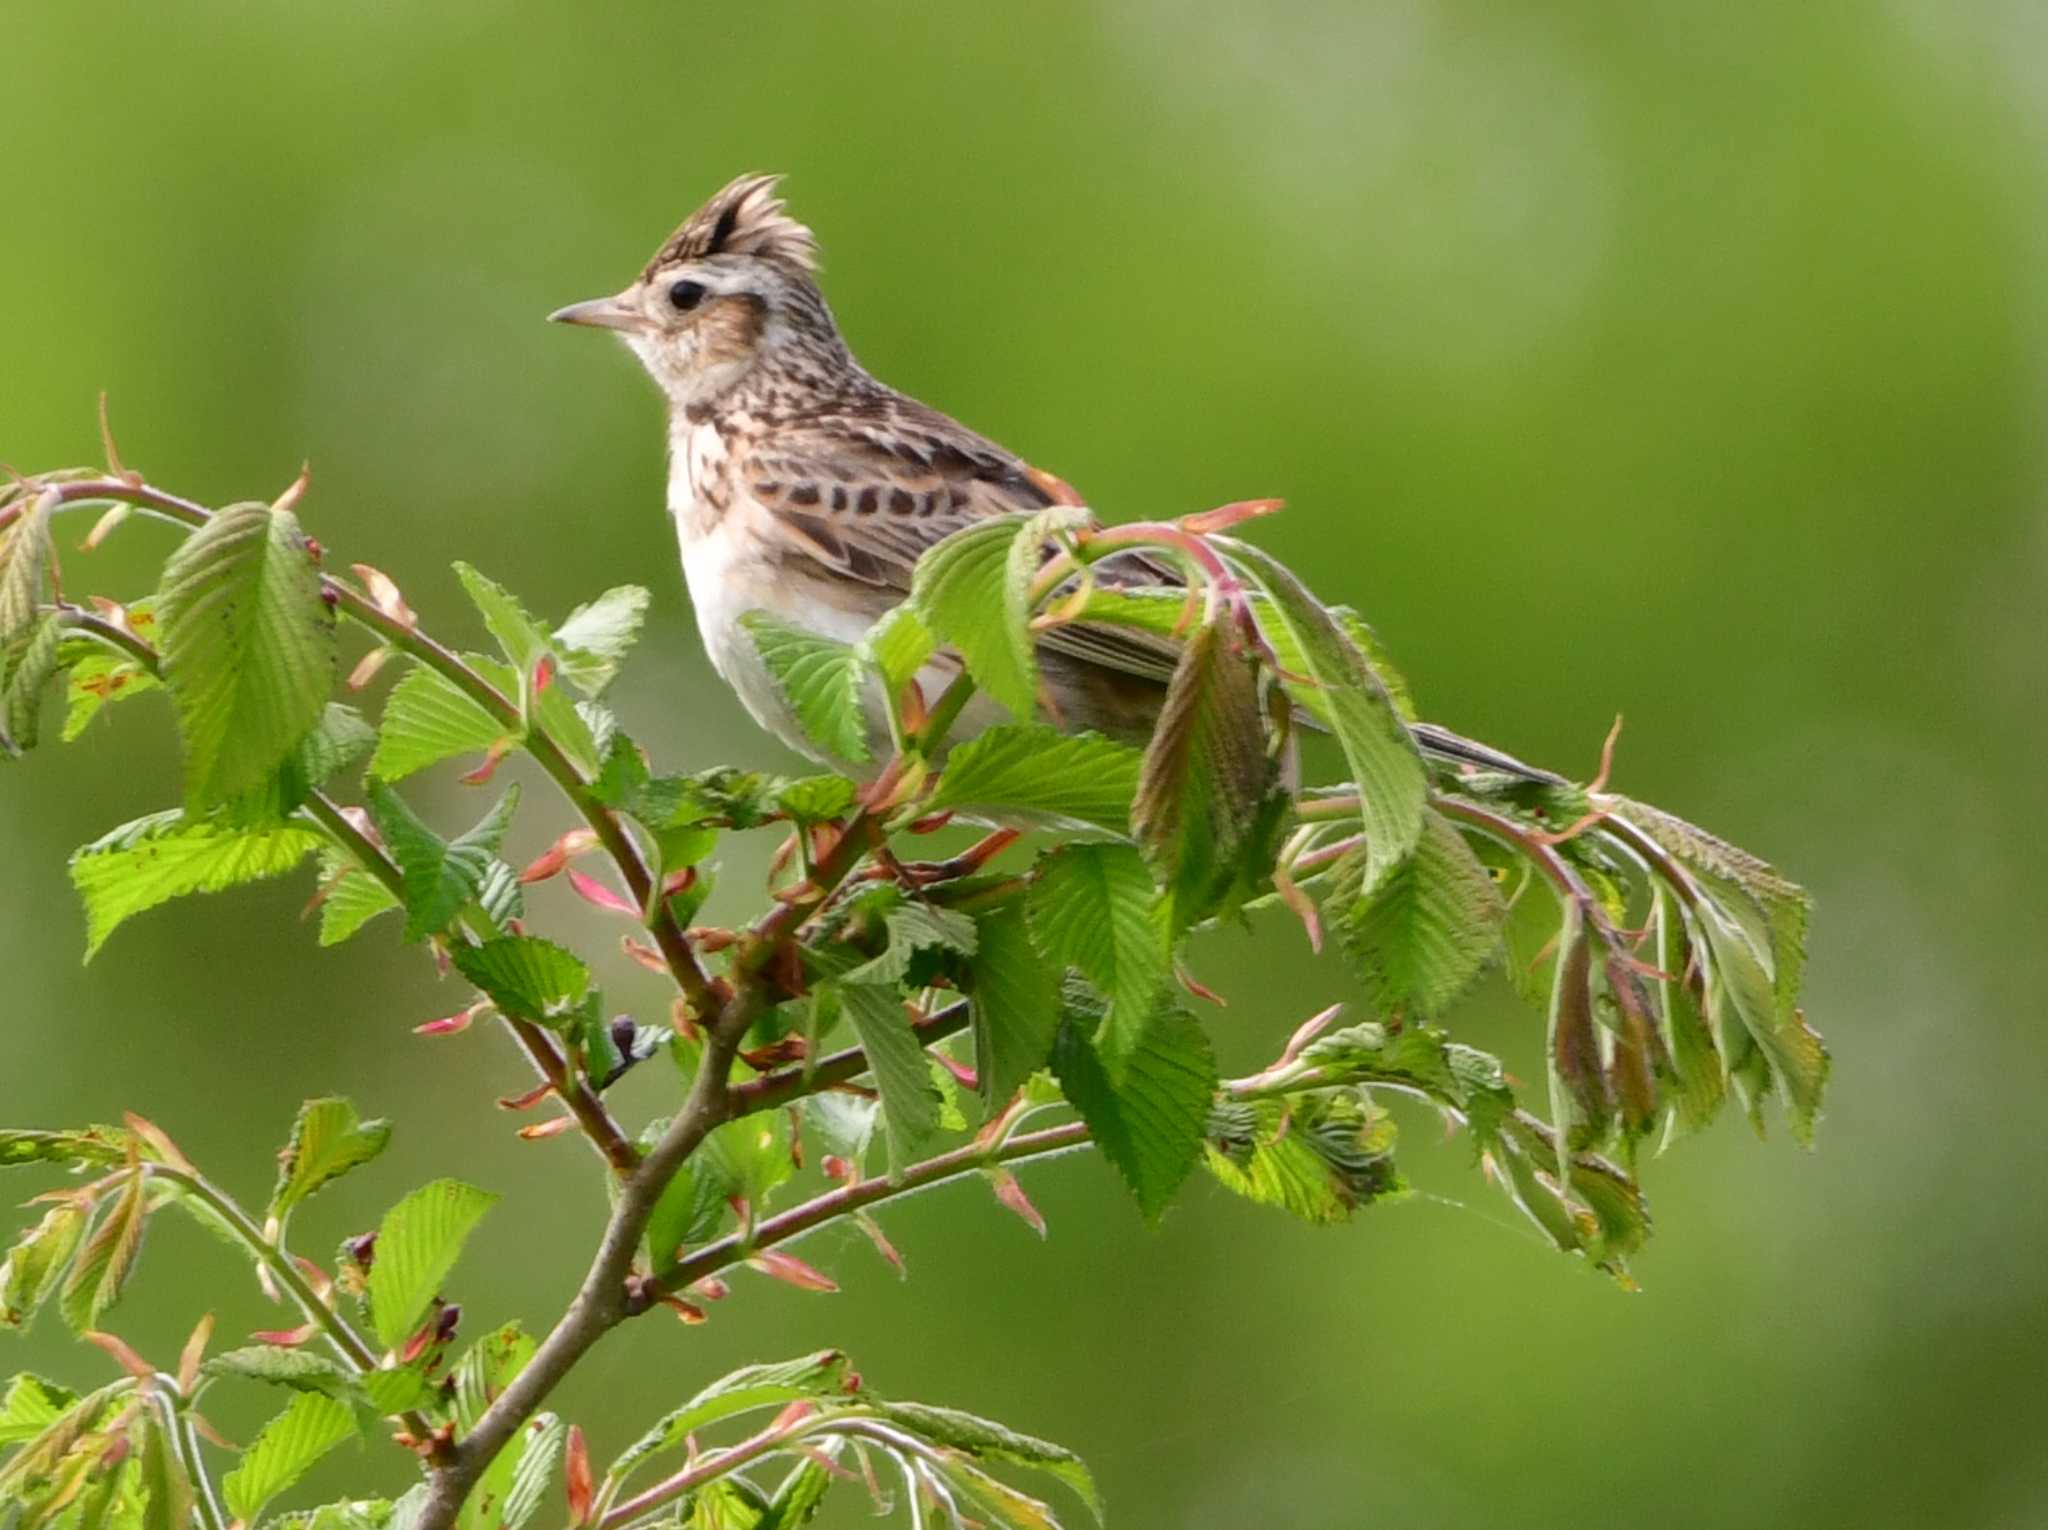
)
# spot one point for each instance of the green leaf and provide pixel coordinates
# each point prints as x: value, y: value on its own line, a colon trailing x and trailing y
x: 594, y: 641
x: 896, y: 1058
x: 916, y: 932
x: 100, y: 676
x: 1016, y: 999
x: 299, y: 1369
x: 1152, y: 1118
x: 99, y: 1147
x: 290, y: 1443
x: 965, y: 593
x: 427, y: 720
x: 30, y: 1406
x: 27, y: 665
x: 527, y: 978
x: 1029, y: 771
x: 519, y: 637
x: 1092, y: 908
x: 798, y: 1498
x: 744, y: 1160
x: 350, y: 897
x: 1319, y: 1154
x: 37, y: 1262
x: 441, y: 877
x: 897, y: 647
x: 248, y: 648
x: 814, y: 799
x: 25, y: 557
x: 417, y: 1245
x: 820, y: 679
x: 1206, y: 775
x: 547, y: 1441
x: 1429, y: 927
x: 337, y: 741
x: 986, y: 1440
x: 328, y: 1139
x: 108, y: 1258
x: 1384, y: 760
x: 154, y: 859
x: 819, y: 1376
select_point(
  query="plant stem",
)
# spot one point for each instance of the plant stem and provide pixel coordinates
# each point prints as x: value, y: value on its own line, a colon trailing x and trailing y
x: 335, y: 1328
x: 786, y: 1085
x: 814, y: 1213
x: 707, y: 1468
x: 184, y: 1444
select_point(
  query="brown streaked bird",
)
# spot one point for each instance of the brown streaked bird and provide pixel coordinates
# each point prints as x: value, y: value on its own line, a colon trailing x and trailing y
x: 804, y: 488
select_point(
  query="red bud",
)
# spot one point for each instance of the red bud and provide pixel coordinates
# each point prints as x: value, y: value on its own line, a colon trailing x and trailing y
x: 645, y: 955
x: 543, y: 673
x: 540, y: 1131
x: 284, y: 1338
x: 883, y: 1246
x: 493, y: 757
x: 1010, y: 1194
x: 576, y: 1478
x: 598, y: 895
x: 792, y: 1271
x: 124, y: 1357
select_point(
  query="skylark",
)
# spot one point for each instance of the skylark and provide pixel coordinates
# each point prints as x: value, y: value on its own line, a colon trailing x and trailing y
x: 804, y: 488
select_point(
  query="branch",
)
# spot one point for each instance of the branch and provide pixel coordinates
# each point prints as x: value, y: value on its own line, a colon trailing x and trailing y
x: 788, y: 1085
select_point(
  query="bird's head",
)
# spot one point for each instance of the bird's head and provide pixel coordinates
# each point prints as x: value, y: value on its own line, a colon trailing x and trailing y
x: 729, y: 296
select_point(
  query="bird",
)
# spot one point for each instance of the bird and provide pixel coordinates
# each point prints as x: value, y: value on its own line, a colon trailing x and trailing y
x: 805, y: 488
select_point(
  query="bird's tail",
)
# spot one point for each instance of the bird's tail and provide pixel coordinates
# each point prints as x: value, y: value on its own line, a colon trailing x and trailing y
x: 1442, y: 744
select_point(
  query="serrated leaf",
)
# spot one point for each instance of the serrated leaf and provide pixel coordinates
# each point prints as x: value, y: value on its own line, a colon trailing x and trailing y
x: 896, y: 1059
x: 897, y: 647
x: 963, y: 591
x: 1384, y: 760
x: 1206, y: 774
x: 25, y: 555
x: 1702, y: 1083
x: 166, y: 855
x: 98, y: 1147
x: 1016, y: 1004
x: 1319, y: 1154
x: 99, y: 676
x: 915, y: 930
x: 798, y: 1498
x: 594, y: 641
x: 820, y: 679
x: 350, y: 897
x: 441, y: 877
x: 290, y: 1443
x: 547, y: 1436
x: 328, y: 1139
x: 527, y: 978
x: 986, y: 1440
x: 519, y: 637
x: 299, y: 1369
x: 744, y: 1160
x: 418, y: 1243
x: 1092, y: 908
x: 248, y: 648
x: 27, y: 665
x: 1429, y: 927
x: 1151, y: 1119
x: 820, y: 1376
x: 338, y: 740
x: 37, y: 1262
x: 30, y: 1406
x: 813, y: 799
x: 1026, y: 771
x: 427, y: 720
x: 108, y: 1257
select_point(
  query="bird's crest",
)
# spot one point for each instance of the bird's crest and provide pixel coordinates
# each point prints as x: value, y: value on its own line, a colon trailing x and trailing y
x: 746, y: 218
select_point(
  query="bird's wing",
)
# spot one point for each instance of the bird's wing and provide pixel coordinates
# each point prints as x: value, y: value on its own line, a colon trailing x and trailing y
x: 864, y: 495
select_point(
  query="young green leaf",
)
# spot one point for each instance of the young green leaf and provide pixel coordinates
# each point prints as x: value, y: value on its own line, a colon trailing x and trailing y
x: 99, y: 676
x: 1027, y: 771
x: 896, y: 1058
x: 1319, y: 1154
x: 301, y: 1370
x: 417, y: 1245
x: 1430, y: 926
x: 822, y: 1376
x: 350, y: 897
x: 441, y: 877
x: 526, y: 977
x: 290, y: 1443
x: 25, y: 556
x: 1016, y: 999
x: 986, y: 1440
x: 1151, y: 1119
x: 30, y: 1406
x: 520, y: 638
x: 1091, y: 908
x: 596, y: 638
x: 154, y: 859
x: 919, y: 934
x: 1384, y: 760
x: 1206, y: 775
x: 337, y: 741
x: 820, y: 679
x: 27, y: 665
x: 108, y: 1258
x: 546, y: 1437
x: 427, y: 720
x: 248, y: 648
x: 814, y: 799
x: 896, y: 648
x: 964, y: 590
x: 328, y: 1139
x: 37, y: 1262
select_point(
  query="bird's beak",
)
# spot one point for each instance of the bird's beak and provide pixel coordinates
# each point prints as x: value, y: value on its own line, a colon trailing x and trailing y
x: 601, y: 313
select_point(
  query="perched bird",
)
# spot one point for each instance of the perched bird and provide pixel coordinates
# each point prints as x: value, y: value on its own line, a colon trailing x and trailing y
x: 804, y: 488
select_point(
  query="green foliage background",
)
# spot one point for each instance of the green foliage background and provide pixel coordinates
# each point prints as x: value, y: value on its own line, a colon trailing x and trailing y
x: 1688, y: 361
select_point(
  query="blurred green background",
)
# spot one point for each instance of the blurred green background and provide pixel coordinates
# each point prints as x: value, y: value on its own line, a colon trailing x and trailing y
x: 1680, y: 360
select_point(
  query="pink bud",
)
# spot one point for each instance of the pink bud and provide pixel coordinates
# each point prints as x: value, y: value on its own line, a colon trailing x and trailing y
x: 577, y: 1482
x: 793, y: 1414
x: 451, y: 1025
x: 540, y: 1131
x: 124, y: 1357
x: 384, y: 595
x: 645, y: 955
x: 883, y: 1246
x: 551, y: 861
x: 595, y: 893
x: 284, y: 1338
x: 792, y: 1271
x: 840, y: 1169
x: 543, y: 673
x: 493, y: 757
x: 1010, y: 1194
x: 711, y: 1289
x: 963, y: 1075
x: 1223, y: 517
x: 528, y: 1100
x: 688, y: 1312
x: 367, y: 667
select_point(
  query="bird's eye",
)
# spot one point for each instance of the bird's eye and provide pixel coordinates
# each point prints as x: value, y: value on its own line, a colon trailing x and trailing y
x: 686, y: 295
